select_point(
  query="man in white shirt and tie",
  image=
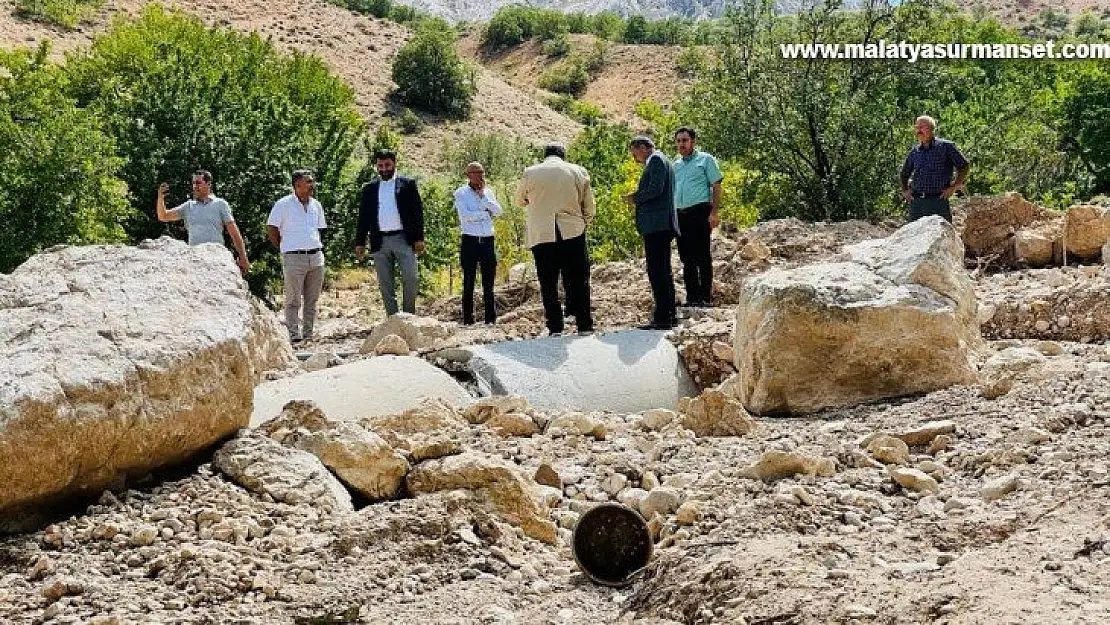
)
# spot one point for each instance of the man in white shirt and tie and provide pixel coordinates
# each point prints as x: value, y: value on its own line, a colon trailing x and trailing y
x: 294, y: 228
x: 477, y: 206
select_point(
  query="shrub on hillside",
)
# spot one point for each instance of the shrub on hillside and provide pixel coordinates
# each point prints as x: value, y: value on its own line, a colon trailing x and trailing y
x: 556, y: 47
x: 583, y: 112
x: 503, y: 156
x: 57, y: 168
x: 64, y: 13
x: 569, y: 77
x: 509, y: 26
x: 691, y: 62
x: 430, y: 75
x: 410, y: 122
x: 178, y: 96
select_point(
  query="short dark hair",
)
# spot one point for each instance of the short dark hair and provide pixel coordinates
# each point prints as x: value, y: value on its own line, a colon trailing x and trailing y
x: 641, y: 141
x: 555, y: 149
x: 688, y: 130
x: 383, y: 154
x: 301, y: 174
x: 203, y: 173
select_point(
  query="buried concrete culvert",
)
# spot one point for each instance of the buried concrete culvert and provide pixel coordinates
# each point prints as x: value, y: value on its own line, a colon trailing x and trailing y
x: 611, y: 543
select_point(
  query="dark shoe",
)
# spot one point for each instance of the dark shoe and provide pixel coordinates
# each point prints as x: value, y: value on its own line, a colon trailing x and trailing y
x: 657, y: 326
x: 586, y: 332
x: 468, y: 323
x: 554, y: 333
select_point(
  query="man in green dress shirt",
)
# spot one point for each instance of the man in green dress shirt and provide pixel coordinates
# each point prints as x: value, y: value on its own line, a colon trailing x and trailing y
x: 697, y: 195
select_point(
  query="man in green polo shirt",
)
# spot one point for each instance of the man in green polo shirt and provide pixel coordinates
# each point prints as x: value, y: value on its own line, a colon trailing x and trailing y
x: 697, y: 195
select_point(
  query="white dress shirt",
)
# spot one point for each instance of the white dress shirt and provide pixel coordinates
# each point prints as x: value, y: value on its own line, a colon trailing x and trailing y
x: 299, y: 224
x: 389, y: 217
x: 476, y: 213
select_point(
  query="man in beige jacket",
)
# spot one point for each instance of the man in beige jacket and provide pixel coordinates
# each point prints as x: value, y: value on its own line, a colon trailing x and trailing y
x: 559, y: 204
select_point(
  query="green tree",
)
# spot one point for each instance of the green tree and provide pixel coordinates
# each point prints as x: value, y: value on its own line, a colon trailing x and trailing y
x: 1087, y: 118
x: 57, y: 168
x: 430, y: 75
x: 635, y: 30
x: 178, y: 96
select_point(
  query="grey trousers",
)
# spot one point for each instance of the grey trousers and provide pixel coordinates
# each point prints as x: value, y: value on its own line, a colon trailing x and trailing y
x: 304, y: 278
x: 395, y: 249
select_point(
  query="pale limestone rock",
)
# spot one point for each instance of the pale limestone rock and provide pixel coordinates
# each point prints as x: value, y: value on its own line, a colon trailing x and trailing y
x: 915, y: 480
x: 391, y: 345
x: 297, y: 414
x: 521, y: 273
x: 715, y: 414
x: 499, y: 484
x: 755, y: 251
x: 723, y: 351
x: 577, y: 423
x: 418, y: 333
x: 488, y: 407
x: 992, y: 221
x: 661, y: 500
x: 1034, y: 248
x: 114, y: 366
x: 1049, y: 348
x: 359, y: 458
x: 778, y: 464
x: 900, y: 319
x: 632, y: 497
x: 430, y: 416
x: 998, y: 488
x: 926, y: 432
x: 1087, y: 230
x: 513, y: 424
x: 614, y: 483
x: 939, y: 444
x: 1012, y: 360
x: 288, y: 475
x: 889, y: 449
x: 996, y: 386
x: 689, y: 513
x: 658, y: 418
x: 322, y: 360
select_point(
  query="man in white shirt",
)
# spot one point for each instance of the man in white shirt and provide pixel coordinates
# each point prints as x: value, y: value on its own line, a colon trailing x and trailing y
x: 391, y: 216
x: 206, y: 217
x: 294, y: 228
x: 477, y: 206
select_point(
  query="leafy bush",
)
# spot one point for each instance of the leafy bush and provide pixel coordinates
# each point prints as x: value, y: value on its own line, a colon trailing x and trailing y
x: 691, y: 62
x: 569, y: 77
x: 583, y: 112
x: 503, y: 156
x: 64, y: 13
x: 556, y: 47
x: 57, y: 168
x: 410, y: 122
x: 635, y: 30
x: 430, y: 75
x: 509, y: 26
x: 178, y: 96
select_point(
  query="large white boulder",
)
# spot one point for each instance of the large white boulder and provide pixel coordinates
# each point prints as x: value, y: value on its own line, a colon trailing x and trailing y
x: 121, y: 360
x: 897, y: 319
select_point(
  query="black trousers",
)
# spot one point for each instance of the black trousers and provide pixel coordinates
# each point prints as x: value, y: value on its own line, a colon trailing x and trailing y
x: 693, y: 249
x: 569, y: 258
x: 657, y: 251
x: 925, y: 206
x: 475, y: 252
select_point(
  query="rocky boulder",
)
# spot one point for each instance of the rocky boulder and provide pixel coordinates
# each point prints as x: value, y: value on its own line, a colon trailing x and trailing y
x: 714, y: 413
x: 417, y: 333
x: 993, y: 221
x: 1086, y: 230
x: 899, y: 319
x: 267, y: 467
x: 121, y: 360
x: 501, y: 485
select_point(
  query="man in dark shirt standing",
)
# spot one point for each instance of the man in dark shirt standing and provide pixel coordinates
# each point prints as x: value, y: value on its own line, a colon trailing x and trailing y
x: 930, y: 164
x: 657, y: 223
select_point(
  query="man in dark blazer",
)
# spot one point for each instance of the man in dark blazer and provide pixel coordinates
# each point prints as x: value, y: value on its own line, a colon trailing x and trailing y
x: 657, y: 223
x: 392, y: 213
